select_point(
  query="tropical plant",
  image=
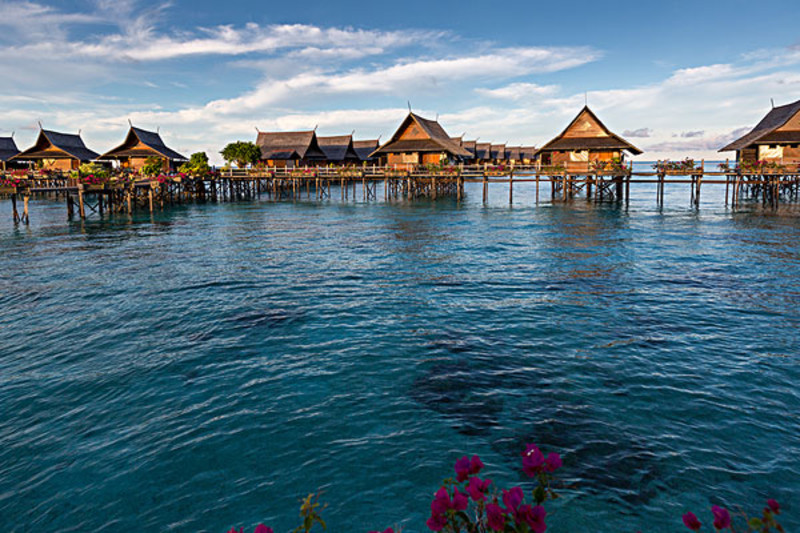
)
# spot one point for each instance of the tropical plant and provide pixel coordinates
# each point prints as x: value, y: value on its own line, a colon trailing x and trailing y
x: 152, y: 166
x: 197, y: 166
x: 242, y: 153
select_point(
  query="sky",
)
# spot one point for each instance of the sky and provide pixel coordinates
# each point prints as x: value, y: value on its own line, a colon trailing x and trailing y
x: 678, y: 79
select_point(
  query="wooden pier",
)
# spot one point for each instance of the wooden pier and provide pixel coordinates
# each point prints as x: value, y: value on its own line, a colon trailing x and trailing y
x: 124, y: 195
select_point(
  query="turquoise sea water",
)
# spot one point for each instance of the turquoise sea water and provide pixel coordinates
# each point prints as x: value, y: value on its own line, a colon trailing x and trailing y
x: 210, y: 365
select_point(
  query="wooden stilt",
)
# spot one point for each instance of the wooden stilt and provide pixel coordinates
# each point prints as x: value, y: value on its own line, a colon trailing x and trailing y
x: 485, y: 188
x: 25, y: 218
x: 511, y: 188
x: 81, y: 204
x: 15, y: 213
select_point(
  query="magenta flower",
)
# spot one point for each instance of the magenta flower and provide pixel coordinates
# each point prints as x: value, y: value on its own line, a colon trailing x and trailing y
x: 722, y: 518
x: 261, y: 528
x: 532, y: 460
x: 466, y: 467
x: 690, y: 520
x: 495, y: 517
x: 436, y: 522
x: 441, y: 502
x: 512, y: 499
x: 533, y: 516
x: 553, y: 462
x: 477, y: 489
x: 233, y: 530
x: 460, y: 500
x: 774, y: 506
x: 462, y: 469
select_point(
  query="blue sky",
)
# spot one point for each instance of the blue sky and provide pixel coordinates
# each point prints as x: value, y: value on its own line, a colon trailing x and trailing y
x: 680, y: 78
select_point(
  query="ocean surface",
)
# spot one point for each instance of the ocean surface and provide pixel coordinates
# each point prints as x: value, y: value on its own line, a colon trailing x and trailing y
x: 209, y: 365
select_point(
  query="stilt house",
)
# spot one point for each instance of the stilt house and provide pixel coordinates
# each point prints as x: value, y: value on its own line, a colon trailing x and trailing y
x: 420, y: 141
x: 8, y: 149
x: 58, y: 151
x: 339, y: 150
x: 775, y: 139
x: 139, y: 145
x: 585, y: 140
x: 364, y: 150
x: 290, y: 148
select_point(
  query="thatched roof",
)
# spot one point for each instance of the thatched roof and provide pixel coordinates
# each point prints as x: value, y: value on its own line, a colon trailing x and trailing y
x: 8, y: 148
x: 430, y: 137
x: 587, y: 132
x: 765, y: 131
x: 498, y: 151
x: 288, y: 145
x: 143, y: 143
x: 54, y: 145
x: 527, y: 152
x: 469, y: 146
x: 338, y: 148
x: 483, y: 150
x: 514, y: 152
x: 365, y: 148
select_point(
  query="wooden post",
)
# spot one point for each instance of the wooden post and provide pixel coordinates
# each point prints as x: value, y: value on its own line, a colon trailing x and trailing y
x: 537, y: 186
x: 150, y: 197
x: 129, y: 201
x: 25, y: 199
x: 511, y: 188
x: 485, y: 187
x: 70, y: 206
x: 15, y: 213
x: 81, y: 206
x: 459, y: 184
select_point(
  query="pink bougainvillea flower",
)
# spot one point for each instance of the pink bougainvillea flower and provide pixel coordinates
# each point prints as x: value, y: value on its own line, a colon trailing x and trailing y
x: 478, y: 488
x: 722, y: 518
x: 441, y: 502
x: 532, y: 460
x: 466, y: 467
x: 512, y: 499
x: 462, y: 469
x: 460, y: 500
x: 261, y: 528
x: 436, y: 522
x: 553, y: 462
x: 495, y: 517
x: 690, y: 520
x: 233, y: 530
x: 774, y: 506
x: 533, y: 517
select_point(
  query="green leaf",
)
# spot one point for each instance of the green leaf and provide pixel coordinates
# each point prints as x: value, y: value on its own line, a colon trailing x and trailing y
x: 755, y: 523
x: 539, y: 494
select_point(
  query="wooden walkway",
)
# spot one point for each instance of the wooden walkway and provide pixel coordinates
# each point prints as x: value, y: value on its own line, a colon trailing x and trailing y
x: 120, y: 195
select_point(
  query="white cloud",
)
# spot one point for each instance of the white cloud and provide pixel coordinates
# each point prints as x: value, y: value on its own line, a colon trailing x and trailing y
x: 519, y: 91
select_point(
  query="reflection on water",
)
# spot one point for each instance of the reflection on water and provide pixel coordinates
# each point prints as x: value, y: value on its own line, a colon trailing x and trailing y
x: 209, y: 365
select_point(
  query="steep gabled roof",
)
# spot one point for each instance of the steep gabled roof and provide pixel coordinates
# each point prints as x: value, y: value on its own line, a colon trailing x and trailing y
x: 764, y: 132
x: 365, y: 148
x: 50, y: 143
x: 436, y: 139
x: 483, y: 150
x: 527, y: 152
x: 498, y: 151
x: 8, y: 148
x: 469, y: 146
x: 287, y: 145
x: 152, y: 141
x: 338, y: 148
x: 514, y: 152
x: 572, y: 139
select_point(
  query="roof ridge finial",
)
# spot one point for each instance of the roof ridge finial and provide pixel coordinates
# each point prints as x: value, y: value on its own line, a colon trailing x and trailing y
x: 257, y: 130
x: 437, y: 117
x: 772, y: 101
x: 12, y: 134
x: 352, y: 133
x: 315, y: 128
x: 129, y: 122
x: 40, y: 124
x: 586, y: 98
x: 158, y: 130
x: 409, y: 106
x: 79, y: 132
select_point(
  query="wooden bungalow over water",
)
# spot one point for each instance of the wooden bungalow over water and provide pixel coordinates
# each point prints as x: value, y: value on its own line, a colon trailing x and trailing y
x: 483, y: 153
x: 514, y: 155
x: 290, y: 148
x: 583, y: 142
x: 498, y: 153
x: 421, y: 141
x: 527, y: 154
x: 58, y: 151
x: 775, y: 139
x: 339, y: 150
x: 8, y: 149
x: 139, y: 145
x: 470, y: 146
x: 364, y: 150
